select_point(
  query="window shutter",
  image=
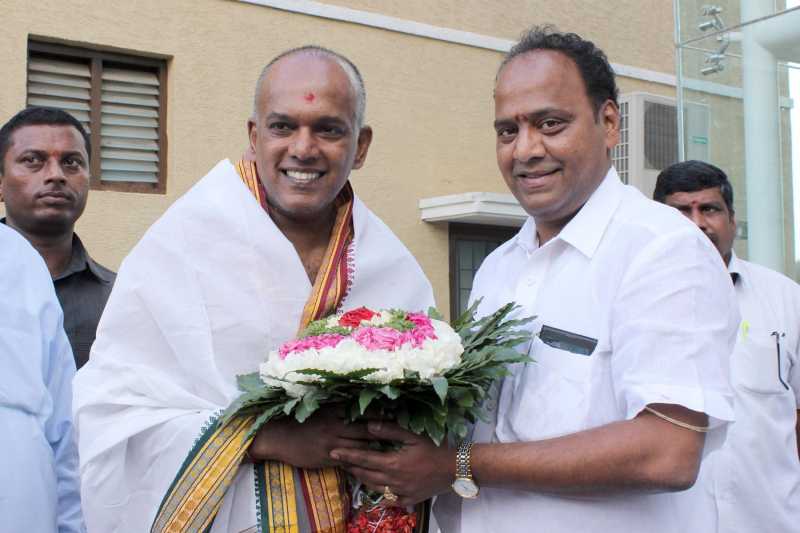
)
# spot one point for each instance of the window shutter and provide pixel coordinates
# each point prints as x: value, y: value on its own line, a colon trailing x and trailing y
x: 61, y: 84
x: 129, y: 149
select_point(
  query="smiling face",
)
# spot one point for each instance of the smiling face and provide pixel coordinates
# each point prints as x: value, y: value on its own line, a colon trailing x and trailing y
x: 305, y: 135
x: 552, y: 147
x: 708, y: 210
x: 46, y: 179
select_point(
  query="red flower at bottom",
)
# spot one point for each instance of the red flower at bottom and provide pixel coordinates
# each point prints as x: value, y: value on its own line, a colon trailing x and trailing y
x: 380, y: 519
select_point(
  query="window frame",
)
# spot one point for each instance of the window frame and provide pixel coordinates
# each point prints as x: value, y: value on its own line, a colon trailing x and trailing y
x: 96, y: 57
x: 458, y: 231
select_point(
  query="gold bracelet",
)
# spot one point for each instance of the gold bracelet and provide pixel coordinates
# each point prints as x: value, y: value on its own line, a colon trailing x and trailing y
x: 684, y: 425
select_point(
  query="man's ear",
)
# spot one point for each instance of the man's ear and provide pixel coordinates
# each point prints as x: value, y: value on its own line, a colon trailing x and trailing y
x: 609, y: 116
x: 364, y: 140
x: 252, y: 134
x: 2, y: 200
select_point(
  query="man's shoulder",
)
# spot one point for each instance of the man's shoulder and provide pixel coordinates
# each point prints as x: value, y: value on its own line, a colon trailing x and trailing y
x: 636, y: 211
x: 103, y: 273
x: 18, y: 252
x: 22, y: 269
x: 208, y: 202
x: 771, y: 279
x: 11, y: 240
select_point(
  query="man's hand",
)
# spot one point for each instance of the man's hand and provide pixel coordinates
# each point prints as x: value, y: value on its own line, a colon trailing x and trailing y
x: 415, y: 472
x: 308, y: 445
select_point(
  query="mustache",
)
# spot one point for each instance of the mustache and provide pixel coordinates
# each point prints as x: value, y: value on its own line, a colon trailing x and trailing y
x: 534, y: 169
x: 56, y: 193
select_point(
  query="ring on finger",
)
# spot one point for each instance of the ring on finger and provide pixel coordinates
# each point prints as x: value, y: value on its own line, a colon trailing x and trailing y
x: 388, y: 495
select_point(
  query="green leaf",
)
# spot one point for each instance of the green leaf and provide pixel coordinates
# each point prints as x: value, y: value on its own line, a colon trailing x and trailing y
x: 463, y: 397
x: 307, y: 406
x: 434, y: 430
x: 411, y: 375
x: 365, y: 398
x: 262, y: 419
x: 440, y: 386
x: 402, y: 417
x: 250, y: 382
x: 467, y: 317
x: 288, y: 406
x: 327, y: 374
x: 435, y: 314
x: 416, y: 422
x: 390, y: 392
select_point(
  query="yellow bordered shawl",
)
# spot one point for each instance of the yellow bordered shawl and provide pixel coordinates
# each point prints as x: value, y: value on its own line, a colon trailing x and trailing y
x: 196, y: 494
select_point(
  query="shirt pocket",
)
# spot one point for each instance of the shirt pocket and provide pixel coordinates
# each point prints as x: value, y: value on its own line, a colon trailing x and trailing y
x: 546, y: 398
x: 756, y: 365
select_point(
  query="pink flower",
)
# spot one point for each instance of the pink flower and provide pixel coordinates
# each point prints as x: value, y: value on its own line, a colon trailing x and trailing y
x: 378, y: 338
x: 419, y: 319
x: 326, y: 340
x: 415, y: 337
x: 423, y: 329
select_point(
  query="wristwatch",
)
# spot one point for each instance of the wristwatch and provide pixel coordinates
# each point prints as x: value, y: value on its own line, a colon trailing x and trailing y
x: 464, y: 485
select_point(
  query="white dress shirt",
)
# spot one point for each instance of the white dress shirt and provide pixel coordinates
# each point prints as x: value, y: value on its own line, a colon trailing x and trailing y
x: 757, y: 475
x: 649, y: 287
x: 39, y: 490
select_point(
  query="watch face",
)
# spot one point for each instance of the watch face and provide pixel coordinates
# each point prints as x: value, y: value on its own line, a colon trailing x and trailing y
x: 465, y: 487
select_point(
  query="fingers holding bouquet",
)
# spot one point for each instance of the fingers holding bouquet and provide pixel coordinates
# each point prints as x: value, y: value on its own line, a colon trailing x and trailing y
x: 308, y: 445
x: 414, y: 470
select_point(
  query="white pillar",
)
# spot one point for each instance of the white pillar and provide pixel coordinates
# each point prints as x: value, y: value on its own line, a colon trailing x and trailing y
x: 765, y: 218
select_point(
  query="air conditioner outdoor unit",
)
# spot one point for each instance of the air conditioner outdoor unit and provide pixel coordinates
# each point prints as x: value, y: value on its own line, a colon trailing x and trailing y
x: 649, y: 137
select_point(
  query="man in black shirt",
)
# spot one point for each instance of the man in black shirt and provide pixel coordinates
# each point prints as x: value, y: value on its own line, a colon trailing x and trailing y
x: 44, y: 182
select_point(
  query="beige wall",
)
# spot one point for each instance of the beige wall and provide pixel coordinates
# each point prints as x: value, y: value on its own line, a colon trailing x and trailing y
x: 429, y: 101
x: 632, y: 32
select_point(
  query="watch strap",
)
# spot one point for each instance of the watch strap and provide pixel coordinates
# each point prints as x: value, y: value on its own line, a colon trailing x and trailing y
x: 464, y: 459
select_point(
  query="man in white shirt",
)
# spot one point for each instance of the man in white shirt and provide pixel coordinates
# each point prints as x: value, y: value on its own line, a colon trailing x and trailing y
x: 39, y: 492
x: 757, y: 472
x: 636, y: 314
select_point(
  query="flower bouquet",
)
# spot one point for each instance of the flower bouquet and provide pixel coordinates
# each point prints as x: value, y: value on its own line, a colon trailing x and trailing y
x: 428, y: 376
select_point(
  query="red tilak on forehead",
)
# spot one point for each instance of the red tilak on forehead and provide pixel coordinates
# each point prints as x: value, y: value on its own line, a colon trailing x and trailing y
x: 309, y: 97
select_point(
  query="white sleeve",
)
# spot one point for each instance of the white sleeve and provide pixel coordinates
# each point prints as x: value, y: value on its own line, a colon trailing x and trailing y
x: 60, y: 430
x: 673, y: 326
x: 38, y: 453
x: 145, y: 394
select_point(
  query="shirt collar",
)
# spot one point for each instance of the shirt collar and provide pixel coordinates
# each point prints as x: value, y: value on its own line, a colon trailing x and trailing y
x: 588, y: 225
x: 735, y: 268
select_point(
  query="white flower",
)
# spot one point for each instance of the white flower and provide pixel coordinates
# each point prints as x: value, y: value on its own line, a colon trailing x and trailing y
x: 378, y: 320
x: 433, y: 358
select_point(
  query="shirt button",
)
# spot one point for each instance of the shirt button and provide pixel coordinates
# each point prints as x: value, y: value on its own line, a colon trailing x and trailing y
x: 531, y: 282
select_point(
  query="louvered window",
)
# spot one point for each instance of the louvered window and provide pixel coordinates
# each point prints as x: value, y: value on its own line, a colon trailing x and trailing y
x: 118, y: 98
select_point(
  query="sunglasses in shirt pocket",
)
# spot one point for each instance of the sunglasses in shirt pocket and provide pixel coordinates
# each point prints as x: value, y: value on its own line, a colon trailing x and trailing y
x: 760, y: 362
x: 567, y: 340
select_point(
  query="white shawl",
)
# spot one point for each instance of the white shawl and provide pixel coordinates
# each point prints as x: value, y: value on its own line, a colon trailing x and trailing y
x: 208, y: 291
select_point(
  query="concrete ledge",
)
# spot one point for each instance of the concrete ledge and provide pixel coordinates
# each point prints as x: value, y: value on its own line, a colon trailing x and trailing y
x: 488, y: 208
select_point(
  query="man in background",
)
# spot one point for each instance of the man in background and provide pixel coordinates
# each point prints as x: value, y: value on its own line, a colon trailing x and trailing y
x: 757, y: 472
x: 38, y: 456
x: 44, y: 182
